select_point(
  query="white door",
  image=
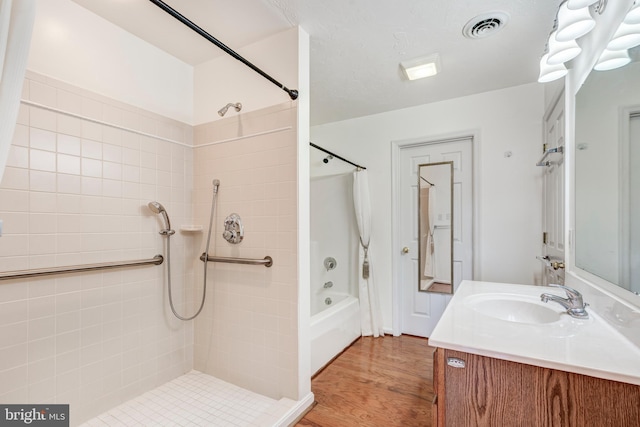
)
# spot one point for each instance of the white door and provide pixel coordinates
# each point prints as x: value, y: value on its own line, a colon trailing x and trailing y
x: 553, y: 199
x: 420, y: 311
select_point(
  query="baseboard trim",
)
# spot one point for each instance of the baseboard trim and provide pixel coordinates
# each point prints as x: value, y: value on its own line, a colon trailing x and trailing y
x: 296, y: 412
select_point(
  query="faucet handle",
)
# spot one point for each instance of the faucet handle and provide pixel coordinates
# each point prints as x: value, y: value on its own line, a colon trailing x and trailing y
x: 571, y: 293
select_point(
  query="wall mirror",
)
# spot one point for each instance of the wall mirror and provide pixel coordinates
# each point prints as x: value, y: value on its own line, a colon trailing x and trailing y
x: 607, y: 176
x: 435, y: 227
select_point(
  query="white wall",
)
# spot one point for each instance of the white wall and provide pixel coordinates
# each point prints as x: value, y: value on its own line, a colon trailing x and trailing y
x: 333, y: 234
x: 225, y: 79
x: 510, y: 188
x: 76, y: 46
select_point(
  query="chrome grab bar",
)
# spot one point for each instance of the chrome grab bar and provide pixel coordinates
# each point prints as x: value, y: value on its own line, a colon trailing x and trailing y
x: 551, y: 264
x: 266, y: 261
x: 547, y: 153
x: 21, y: 274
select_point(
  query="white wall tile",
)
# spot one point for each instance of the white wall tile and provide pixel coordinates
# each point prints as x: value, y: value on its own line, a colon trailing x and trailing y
x: 42, y: 160
x: 42, y: 140
x: 68, y: 144
x: 21, y: 136
x: 91, y: 149
x: 72, y: 194
x: 18, y: 157
x: 42, y: 119
x: 15, y: 178
x: 42, y: 181
x: 68, y: 125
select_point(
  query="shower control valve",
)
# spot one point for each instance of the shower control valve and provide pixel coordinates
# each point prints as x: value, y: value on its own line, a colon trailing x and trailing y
x: 330, y: 263
x: 233, y: 229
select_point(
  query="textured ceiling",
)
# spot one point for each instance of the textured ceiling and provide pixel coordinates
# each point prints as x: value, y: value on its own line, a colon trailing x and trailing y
x: 356, y: 45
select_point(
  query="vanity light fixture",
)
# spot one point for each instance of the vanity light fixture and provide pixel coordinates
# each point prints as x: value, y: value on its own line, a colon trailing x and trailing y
x: 625, y: 37
x: 560, y: 52
x: 579, y: 4
x: 422, y: 67
x: 633, y: 16
x: 612, y: 59
x: 573, y: 21
x: 548, y: 72
x: 573, y: 24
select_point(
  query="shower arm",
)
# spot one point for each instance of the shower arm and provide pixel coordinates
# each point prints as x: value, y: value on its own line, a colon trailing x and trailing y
x: 293, y: 93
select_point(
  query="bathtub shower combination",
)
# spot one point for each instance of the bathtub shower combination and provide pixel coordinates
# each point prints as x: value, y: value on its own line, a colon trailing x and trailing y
x: 335, y: 308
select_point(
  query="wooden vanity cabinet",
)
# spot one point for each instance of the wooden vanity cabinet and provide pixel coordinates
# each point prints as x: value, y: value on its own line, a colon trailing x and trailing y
x: 493, y: 392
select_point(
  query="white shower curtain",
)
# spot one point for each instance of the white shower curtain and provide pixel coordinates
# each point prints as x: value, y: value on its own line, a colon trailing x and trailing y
x: 370, y: 313
x: 16, y: 25
x: 429, y: 249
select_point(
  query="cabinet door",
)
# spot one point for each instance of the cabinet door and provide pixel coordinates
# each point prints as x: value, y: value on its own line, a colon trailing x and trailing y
x: 487, y: 392
x: 438, y: 406
x: 492, y: 392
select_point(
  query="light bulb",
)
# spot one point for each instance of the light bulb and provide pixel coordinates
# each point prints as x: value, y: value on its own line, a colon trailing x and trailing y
x: 633, y: 16
x: 549, y: 73
x: 625, y: 37
x: 612, y: 59
x: 560, y: 52
x: 573, y: 24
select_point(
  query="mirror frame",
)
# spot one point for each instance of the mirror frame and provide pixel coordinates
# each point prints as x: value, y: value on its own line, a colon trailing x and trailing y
x: 420, y: 249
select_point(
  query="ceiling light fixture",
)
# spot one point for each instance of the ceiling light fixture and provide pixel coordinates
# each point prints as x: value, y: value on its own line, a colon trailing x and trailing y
x: 422, y: 67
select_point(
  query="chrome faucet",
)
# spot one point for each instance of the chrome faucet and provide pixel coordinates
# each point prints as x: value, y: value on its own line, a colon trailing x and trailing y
x: 573, y: 303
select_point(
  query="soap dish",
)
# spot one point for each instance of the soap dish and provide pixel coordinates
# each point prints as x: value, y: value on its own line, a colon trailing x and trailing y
x: 191, y: 228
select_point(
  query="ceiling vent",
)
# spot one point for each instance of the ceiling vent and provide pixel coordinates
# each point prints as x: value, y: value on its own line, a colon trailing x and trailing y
x: 485, y: 25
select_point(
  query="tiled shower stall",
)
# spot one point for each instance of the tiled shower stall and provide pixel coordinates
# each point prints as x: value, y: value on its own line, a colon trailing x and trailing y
x: 81, y: 171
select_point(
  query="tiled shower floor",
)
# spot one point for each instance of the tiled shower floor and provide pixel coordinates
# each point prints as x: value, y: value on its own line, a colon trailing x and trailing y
x: 195, y: 399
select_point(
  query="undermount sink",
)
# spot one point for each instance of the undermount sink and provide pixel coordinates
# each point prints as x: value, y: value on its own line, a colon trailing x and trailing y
x: 514, y: 308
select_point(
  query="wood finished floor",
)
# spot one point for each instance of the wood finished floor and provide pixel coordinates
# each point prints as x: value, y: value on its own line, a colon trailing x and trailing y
x: 376, y: 382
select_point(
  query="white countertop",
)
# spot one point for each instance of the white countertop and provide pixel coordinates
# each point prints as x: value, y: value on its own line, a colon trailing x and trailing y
x: 590, y: 347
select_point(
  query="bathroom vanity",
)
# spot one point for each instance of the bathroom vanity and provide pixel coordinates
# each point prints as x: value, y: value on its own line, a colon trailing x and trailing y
x: 506, y: 358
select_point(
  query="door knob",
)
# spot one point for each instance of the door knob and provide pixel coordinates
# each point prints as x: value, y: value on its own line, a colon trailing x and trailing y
x: 405, y: 250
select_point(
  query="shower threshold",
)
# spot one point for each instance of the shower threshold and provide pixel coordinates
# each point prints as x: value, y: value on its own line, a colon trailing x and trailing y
x: 196, y: 399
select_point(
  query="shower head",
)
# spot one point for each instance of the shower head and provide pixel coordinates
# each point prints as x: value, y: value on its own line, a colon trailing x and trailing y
x: 223, y: 110
x: 157, y: 208
x: 326, y: 159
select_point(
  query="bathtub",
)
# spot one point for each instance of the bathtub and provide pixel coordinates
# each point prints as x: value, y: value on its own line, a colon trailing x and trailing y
x: 333, y: 328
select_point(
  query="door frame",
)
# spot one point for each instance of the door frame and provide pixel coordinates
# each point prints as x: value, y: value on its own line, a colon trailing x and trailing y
x: 396, y: 147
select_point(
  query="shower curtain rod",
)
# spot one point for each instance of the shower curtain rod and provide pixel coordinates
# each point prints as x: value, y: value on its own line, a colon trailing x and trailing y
x: 293, y: 93
x: 425, y: 180
x: 335, y: 155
